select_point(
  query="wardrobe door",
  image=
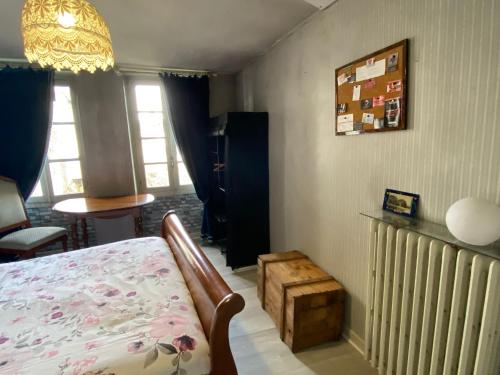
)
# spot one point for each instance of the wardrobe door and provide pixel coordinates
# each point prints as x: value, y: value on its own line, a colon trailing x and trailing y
x: 247, y: 188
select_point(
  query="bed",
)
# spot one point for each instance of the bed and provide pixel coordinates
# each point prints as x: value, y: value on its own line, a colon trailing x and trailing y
x: 151, y: 305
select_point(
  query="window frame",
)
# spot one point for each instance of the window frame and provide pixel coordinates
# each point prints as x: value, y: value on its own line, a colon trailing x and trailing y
x: 174, y: 188
x: 45, y: 177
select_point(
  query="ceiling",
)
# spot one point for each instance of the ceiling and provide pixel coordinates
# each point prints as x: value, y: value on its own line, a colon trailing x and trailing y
x: 216, y: 35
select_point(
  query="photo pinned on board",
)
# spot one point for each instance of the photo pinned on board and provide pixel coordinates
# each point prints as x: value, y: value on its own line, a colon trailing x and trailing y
x: 358, y: 126
x: 379, y: 101
x: 369, y: 84
x: 341, y: 108
x: 392, y: 112
x: 378, y: 123
x: 368, y: 118
x: 394, y: 86
x: 392, y: 62
x: 366, y: 103
x: 341, y: 79
x: 356, y: 92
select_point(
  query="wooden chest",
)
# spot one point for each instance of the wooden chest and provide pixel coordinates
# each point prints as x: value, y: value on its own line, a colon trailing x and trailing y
x: 306, y: 304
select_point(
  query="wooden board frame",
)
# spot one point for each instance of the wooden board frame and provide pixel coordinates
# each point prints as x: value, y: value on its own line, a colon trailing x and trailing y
x: 215, y: 302
x: 343, y: 94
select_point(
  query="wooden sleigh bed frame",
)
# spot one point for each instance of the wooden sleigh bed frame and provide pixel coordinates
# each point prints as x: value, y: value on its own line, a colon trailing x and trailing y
x: 215, y: 302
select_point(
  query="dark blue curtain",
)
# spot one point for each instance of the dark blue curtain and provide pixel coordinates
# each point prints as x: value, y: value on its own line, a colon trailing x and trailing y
x: 188, y: 101
x: 25, y: 113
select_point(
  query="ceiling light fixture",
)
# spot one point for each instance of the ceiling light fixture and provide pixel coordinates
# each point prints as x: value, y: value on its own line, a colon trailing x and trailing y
x: 66, y: 34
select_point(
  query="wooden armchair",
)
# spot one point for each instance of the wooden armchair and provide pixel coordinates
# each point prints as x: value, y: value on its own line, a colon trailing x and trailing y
x: 20, y: 238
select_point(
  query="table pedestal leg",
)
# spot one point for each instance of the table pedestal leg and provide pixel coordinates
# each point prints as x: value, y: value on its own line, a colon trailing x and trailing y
x: 85, y: 233
x: 138, y: 226
x: 74, y: 235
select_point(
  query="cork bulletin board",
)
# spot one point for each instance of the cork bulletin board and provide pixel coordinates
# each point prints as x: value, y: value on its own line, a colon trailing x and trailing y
x: 371, y: 92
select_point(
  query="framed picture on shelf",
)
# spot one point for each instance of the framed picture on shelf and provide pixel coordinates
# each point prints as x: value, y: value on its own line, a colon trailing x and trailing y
x: 401, y: 203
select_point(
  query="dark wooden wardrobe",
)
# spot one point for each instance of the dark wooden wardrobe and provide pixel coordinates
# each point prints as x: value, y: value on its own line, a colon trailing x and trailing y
x: 239, y: 196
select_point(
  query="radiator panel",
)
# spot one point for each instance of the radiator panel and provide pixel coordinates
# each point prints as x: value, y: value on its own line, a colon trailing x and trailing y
x: 443, y: 310
x: 417, y: 310
x: 408, y: 291
x: 397, y: 298
x: 430, y: 308
x: 473, y: 315
x: 387, y: 297
x: 379, y: 287
x: 490, y: 327
x: 371, y: 289
x: 457, y: 314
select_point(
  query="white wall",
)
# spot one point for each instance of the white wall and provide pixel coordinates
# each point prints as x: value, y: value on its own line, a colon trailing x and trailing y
x: 222, y: 94
x: 319, y: 183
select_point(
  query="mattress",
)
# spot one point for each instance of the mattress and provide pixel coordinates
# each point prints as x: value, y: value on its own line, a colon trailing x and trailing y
x: 121, y: 309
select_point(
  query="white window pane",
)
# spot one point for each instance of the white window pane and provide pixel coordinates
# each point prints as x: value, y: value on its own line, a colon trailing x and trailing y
x: 151, y: 124
x: 37, y: 191
x: 63, y: 143
x: 62, y: 110
x: 148, y: 98
x: 156, y: 175
x: 153, y: 150
x: 178, y: 152
x: 62, y: 94
x: 66, y: 177
x: 184, y: 178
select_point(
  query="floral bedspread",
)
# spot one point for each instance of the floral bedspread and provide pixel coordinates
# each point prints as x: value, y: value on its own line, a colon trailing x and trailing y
x: 120, y: 309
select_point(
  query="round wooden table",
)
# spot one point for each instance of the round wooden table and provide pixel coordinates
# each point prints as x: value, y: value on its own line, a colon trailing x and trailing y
x: 82, y: 208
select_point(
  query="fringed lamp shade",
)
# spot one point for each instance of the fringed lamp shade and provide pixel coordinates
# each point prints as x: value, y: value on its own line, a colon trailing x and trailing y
x: 66, y: 34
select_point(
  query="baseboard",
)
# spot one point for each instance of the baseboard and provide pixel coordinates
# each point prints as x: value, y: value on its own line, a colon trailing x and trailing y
x: 355, y: 340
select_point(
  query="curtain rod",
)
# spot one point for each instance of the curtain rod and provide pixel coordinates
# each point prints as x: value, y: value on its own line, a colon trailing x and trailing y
x: 9, y: 60
x: 129, y: 68
x: 15, y: 62
x: 123, y: 68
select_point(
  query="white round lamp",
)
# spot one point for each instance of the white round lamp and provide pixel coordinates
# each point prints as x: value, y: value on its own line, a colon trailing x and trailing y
x: 474, y: 221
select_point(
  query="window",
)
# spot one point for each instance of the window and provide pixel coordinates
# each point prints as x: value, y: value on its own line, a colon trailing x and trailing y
x: 37, y: 191
x: 160, y: 161
x: 64, y: 155
x: 62, y: 174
